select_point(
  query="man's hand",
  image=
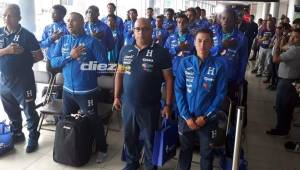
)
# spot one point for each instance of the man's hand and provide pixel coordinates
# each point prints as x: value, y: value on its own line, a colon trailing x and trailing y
x: 77, y: 51
x: 98, y: 35
x: 117, y: 104
x: 158, y: 39
x: 229, y: 43
x: 200, y: 121
x: 37, y: 56
x: 262, y: 39
x: 166, y: 112
x: 14, y: 48
x: 183, y: 45
x: 56, y: 35
x: 191, y: 124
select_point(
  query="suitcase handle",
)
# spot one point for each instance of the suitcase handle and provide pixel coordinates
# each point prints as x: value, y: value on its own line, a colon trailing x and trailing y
x: 78, y: 115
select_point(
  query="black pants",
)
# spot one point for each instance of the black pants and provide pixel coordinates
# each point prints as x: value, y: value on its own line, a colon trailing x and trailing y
x: 234, y: 94
x: 274, y: 78
x: 16, y: 91
x: 286, y: 100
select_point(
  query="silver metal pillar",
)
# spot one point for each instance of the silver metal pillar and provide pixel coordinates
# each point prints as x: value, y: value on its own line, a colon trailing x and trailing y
x: 266, y: 9
x: 274, y: 9
x: 238, y: 134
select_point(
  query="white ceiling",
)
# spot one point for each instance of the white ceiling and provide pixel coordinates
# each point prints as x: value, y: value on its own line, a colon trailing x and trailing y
x: 235, y: 2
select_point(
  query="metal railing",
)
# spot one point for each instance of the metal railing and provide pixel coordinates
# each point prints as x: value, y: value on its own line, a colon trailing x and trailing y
x: 237, y: 141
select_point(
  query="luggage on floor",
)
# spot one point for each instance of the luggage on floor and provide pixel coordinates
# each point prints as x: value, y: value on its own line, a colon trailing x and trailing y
x: 73, y: 140
x: 6, y: 139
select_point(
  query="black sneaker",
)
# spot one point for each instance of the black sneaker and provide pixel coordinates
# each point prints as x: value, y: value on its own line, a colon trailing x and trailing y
x: 292, y: 146
x: 273, y: 88
x: 32, y: 145
x: 18, y: 138
x: 276, y: 132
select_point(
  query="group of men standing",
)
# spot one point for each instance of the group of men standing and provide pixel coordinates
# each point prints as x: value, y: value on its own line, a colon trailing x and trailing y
x: 199, y: 66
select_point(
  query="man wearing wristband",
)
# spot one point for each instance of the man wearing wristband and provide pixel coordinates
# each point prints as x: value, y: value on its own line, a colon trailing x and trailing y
x: 200, y: 88
x: 142, y: 69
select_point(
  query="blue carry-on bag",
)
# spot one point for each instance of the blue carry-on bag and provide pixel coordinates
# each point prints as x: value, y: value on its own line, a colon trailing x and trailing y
x: 165, y: 140
x: 6, y: 140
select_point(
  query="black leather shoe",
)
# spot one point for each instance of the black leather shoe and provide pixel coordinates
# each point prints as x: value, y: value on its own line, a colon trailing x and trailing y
x: 276, y: 132
x: 18, y: 138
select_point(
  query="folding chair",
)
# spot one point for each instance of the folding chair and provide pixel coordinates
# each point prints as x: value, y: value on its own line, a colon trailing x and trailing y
x: 51, y: 106
x: 45, y: 78
x: 106, y: 99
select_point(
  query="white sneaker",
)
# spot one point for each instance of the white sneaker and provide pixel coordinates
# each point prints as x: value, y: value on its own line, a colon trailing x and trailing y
x: 101, y: 156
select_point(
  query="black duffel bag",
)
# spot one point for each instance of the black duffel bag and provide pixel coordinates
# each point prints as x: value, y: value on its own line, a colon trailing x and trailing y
x: 73, y: 141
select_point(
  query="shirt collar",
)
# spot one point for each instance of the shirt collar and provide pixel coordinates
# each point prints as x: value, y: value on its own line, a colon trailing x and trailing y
x: 17, y: 32
x: 60, y: 23
x: 78, y: 36
x: 151, y: 45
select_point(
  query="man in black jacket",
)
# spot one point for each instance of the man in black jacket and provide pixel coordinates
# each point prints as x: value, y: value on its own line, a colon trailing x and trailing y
x: 252, y: 31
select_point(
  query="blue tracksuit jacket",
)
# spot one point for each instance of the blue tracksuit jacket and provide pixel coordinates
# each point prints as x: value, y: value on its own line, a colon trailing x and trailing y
x: 200, y: 87
x: 80, y: 75
x: 172, y: 44
x: 99, y: 26
x: 236, y: 58
x: 46, y: 42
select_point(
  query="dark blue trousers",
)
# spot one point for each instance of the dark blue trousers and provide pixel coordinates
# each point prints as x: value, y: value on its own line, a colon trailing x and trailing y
x: 188, y: 137
x: 87, y: 104
x: 139, y: 122
x: 16, y: 91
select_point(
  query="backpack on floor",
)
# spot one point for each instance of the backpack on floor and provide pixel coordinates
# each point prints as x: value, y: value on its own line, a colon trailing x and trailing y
x: 73, y: 141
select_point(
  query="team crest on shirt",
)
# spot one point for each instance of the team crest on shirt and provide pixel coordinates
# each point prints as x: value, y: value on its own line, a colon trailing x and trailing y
x: 149, y: 53
x: 211, y: 71
x: 147, y: 67
x: 16, y: 38
x: 205, y: 85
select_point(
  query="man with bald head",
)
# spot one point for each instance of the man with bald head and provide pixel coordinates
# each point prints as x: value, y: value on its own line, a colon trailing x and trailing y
x: 19, y: 49
x: 142, y: 69
x: 73, y: 53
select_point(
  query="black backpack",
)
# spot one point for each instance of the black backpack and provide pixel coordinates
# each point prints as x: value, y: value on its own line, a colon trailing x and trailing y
x: 73, y: 141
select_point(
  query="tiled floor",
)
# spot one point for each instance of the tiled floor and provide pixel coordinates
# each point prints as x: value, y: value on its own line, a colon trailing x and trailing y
x: 262, y: 152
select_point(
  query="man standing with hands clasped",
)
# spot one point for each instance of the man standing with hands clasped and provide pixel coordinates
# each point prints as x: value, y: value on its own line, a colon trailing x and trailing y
x: 200, y: 88
x: 142, y: 69
x: 19, y: 49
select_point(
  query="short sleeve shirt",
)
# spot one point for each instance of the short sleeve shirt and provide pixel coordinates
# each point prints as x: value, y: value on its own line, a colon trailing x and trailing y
x: 18, y: 64
x: 290, y: 63
x: 143, y: 73
x: 268, y: 36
